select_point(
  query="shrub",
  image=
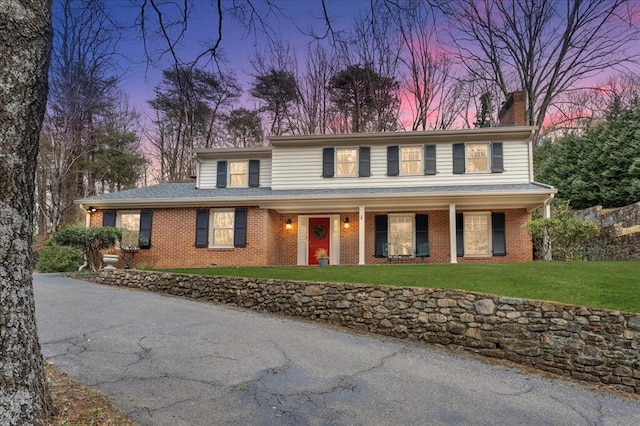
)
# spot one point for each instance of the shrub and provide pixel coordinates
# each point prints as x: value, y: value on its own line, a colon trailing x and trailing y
x: 89, y: 240
x: 565, y: 236
x: 57, y: 258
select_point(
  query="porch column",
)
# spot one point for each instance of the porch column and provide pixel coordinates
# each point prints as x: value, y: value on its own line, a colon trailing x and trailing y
x: 546, y: 214
x: 361, y: 226
x: 453, y: 245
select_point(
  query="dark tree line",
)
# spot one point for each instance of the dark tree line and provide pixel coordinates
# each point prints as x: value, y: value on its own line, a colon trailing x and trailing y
x: 600, y: 166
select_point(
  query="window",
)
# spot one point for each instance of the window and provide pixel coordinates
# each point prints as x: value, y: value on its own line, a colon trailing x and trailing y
x: 238, y: 174
x: 410, y: 160
x: 401, y: 233
x: 221, y: 228
x: 477, y: 157
x: 136, y: 227
x: 477, y: 234
x: 129, y: 221
x: 222, y: 224
x: 347, y: 160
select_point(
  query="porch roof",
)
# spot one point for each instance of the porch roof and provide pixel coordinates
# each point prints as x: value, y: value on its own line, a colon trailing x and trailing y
x: 172, y: 195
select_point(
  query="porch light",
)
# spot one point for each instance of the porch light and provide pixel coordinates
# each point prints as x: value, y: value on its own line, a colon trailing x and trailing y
x: 346, y: 223
x: 91, y: 209
x: 288, y: 225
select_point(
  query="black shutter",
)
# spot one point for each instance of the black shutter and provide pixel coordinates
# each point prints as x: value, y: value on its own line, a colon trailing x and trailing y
x: 499, y: 236
x: 381, y: 222
x: 422, y: 229
x: 497, y: 159
x: 109, y: 218
x: 460, y: 234
x: 458, y: 158
x: 364, y: 160
x: 327, y: 162
x: 254, y: 173
x: 240, y: 228
x: 430, y: 160
x: 393, y: 160
x: 144, y: 236
x: 221, y: 181
x: 202, y: 228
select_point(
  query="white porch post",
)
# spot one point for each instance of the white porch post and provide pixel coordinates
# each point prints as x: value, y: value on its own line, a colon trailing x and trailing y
x: 546, y: 214
x: 453, y: 246
x: 361, y: 226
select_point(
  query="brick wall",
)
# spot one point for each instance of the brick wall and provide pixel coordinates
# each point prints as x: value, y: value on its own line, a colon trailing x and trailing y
x: 270, y: 243
x: 588, y: 344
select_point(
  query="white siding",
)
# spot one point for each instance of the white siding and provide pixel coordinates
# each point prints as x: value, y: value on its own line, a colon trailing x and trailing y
x: 209, y: 168
x: 301, y: 168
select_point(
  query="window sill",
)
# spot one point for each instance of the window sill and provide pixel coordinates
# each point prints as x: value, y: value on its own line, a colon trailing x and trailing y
x: 221, y: 248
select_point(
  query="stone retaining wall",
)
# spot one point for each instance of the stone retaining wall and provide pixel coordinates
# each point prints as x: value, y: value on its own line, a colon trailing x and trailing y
x: 593, y: 345
x: 619, y: 237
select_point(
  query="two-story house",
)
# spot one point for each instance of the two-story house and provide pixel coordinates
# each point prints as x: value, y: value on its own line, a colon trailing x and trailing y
x: 362, y: 197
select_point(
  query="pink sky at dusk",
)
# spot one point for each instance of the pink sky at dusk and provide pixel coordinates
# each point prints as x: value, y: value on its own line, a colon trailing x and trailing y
x: 238, y: 46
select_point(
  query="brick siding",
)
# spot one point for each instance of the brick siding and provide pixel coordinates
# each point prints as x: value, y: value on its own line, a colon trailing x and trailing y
x: 270, y: 243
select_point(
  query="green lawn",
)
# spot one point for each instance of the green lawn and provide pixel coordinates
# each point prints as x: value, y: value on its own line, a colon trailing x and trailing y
x: 611, y: 285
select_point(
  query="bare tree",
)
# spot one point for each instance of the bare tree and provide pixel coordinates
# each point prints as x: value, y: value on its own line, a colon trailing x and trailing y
x: 544, y: 47
x: 314, y: 100
x: 275, y: 86
x: 189, y: 106
x: 25, y: 35
x: 84, y: 90
x: 428, y: 67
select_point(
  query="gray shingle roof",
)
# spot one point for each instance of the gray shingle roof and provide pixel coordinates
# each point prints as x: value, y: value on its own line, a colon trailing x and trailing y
x: 188, y: 191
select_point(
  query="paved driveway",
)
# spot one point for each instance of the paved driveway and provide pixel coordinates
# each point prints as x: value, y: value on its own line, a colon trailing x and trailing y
x: 169, y: 361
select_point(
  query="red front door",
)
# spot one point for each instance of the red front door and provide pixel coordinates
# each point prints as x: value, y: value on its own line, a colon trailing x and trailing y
x: 318, y: 237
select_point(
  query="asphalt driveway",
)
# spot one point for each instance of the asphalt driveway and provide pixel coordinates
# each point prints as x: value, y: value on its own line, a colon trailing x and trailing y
x: 169, y: 361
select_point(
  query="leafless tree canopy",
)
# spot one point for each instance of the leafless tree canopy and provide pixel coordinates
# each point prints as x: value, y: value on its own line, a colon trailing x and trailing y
x: 548, y: 48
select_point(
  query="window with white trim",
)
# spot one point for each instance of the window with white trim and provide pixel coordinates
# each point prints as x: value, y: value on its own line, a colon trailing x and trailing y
x: 238, y: 174
x: 477, y: 234
x: 129, y: 221
x: 347, y: 162
x: 411, y: 160
x: 478, y: 155
x: 221, y: 228
x: 401, y: 235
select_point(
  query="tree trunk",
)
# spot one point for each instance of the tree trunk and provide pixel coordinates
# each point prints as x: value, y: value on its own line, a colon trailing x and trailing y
x: 25, y: 37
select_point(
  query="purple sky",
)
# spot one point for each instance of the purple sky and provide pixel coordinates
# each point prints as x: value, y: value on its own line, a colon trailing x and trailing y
x: 237, y: 46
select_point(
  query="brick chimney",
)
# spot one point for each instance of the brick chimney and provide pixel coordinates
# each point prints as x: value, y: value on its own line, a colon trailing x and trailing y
x: 512, y: 112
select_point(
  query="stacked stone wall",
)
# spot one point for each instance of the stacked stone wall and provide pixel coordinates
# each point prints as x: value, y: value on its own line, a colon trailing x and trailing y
x: 588, y: 344
x: 619, y: 237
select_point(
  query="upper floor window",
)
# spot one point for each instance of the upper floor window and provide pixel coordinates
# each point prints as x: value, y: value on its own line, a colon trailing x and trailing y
x: 410, y: 160
x: 346, y: 162
x: 478, y: 158
x: 238, y: 174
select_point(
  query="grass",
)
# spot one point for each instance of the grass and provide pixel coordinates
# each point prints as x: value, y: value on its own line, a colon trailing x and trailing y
x: 609, y: 285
